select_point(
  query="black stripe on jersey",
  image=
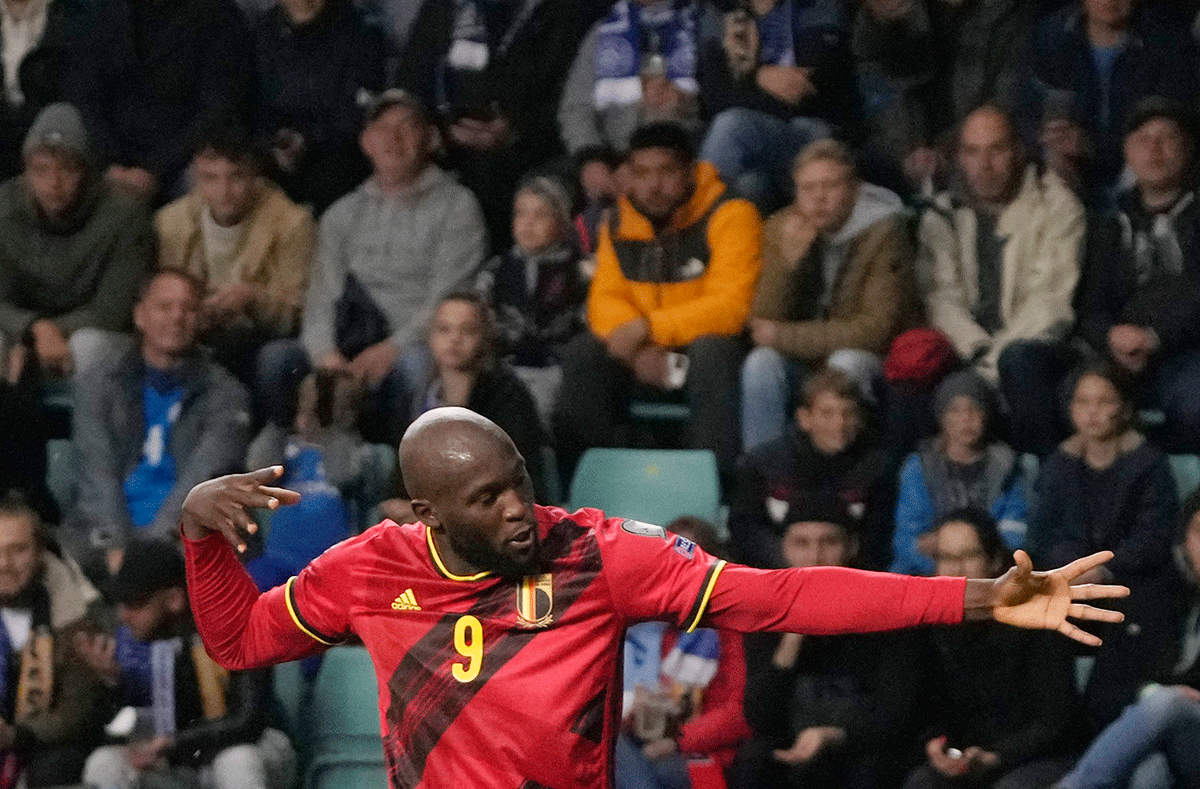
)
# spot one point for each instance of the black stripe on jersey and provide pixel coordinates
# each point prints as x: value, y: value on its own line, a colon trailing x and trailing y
x: 590, y: 723
x: 424, y: 704
x: 702, y: 595
x: 305, y: 625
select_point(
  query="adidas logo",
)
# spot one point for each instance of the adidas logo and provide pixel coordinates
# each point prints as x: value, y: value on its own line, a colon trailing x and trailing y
x: 406, y: 602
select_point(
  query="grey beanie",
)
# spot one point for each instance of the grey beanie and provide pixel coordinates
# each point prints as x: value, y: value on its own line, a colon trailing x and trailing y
x: 965, y: 383
x: 58, y: 126
x: 553, y: 192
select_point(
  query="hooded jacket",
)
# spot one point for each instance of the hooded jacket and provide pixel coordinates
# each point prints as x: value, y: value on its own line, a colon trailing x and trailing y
x: 695, y: 278
x: 872, y: 296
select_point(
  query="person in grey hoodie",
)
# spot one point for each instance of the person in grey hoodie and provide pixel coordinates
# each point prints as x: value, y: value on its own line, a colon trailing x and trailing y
x: 386, y: 253
x: 836, y: 287
x: 72, y: 250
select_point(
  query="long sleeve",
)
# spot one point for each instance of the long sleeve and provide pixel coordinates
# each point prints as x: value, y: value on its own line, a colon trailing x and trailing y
x: 100, y: 502
x: 278, y: 300
x: 241, y: 628
x: 940, y: 271
x: 576, y: 111
x: 327, y: 281
x: 609, y: 302
x: 1146, y: 547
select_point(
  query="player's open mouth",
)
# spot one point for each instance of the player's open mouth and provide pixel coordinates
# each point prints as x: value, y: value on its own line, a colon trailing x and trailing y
x: 522, y: 539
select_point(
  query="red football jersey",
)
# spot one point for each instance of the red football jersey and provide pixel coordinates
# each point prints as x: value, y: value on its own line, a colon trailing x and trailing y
x: 498, y: 682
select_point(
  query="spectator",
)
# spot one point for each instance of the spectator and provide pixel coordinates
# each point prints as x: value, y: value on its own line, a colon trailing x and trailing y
x: 1089, y: 64
x: 387, y: 253
x: 1139, y: 301
x: 836, y: 287
x: 51, y: 703
x: 494, y: 70
x: 25, y: 426
x: 675, y: 272
x: 153, y: 77
x: 38, y: 38
x: 1002, y: 699
x: 150, y: 423
x: 597, y: 174
x: 194, y: 716
x: 827, y: 452
x: 778, y: 78
x: 537, y: 289
x: 72, y: 250
x: 1106, y: 488
x: 636, y: 66
x: 827, y: 710
x: 701, y: 673
x: 999, y: 263
x: 248, y: 243
x: 313, y: 57
x: 924, y: 65
x: 961, y: 467
x: 1157, y: 732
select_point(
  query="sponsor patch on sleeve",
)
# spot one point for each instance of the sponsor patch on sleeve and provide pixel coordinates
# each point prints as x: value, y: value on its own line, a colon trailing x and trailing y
x: 644, y: 529
x: 684, y: 547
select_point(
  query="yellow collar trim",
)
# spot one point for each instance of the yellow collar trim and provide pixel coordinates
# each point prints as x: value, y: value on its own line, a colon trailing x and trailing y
x: 437, y: 560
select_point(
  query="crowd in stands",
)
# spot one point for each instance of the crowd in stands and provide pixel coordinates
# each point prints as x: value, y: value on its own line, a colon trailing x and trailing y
x: 923, y: 275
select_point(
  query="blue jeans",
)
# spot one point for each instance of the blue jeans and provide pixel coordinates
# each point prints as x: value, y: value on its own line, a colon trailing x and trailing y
x: 1164, y: 722
x: 635, y: 771
x: 754, y: 152
x: 387, y: 407
x: 771, y: 382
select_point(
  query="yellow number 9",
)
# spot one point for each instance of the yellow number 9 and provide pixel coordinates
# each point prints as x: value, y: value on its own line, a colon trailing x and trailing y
x: 468, y: 640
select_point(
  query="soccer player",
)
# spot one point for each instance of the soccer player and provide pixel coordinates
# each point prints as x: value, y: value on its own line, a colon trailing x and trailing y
x: 495, y: 625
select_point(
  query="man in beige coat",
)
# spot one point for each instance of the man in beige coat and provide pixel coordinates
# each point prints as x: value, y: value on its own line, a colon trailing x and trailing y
x: 998, y: 263
x: 836, y: 288
x: 247, y: 242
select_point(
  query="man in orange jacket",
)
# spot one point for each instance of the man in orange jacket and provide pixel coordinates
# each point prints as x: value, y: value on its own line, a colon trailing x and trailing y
x: 676, y: 267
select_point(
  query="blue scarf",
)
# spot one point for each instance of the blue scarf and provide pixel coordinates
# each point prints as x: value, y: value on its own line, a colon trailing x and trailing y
x: 632, y: 33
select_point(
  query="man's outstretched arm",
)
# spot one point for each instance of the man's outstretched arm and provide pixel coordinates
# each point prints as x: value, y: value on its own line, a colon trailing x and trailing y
x: 241, y: 628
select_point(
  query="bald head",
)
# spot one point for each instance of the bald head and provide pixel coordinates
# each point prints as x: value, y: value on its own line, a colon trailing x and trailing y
x: 441, y: 443
x: 989, y: 156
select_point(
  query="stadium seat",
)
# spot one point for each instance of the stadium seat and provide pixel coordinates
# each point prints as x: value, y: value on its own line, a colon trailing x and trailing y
x: 651, y: 485
x: 1186, y: 470
x: 344, y: 710
x: 347, y: 772
x: 289, y: 685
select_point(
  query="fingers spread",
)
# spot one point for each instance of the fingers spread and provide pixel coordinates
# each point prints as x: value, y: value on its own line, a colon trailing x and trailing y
x: 266, y: 475
x: 1083, y: 564
x: 282, y: 495
x: 1097, y: 591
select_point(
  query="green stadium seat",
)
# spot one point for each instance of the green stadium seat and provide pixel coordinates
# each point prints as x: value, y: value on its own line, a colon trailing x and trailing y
x: 651, y: 485
x: 1186, y: 470
x: 344, y: 709
x: 290, y: 688
x: 348, y: 771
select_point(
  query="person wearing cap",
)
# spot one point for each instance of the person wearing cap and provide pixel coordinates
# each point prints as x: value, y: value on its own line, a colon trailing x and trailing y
x: 675, y: 272
x: 827, y: 710
x: 964, y: 465
x: 72, y: 250
x: 537, y: 289
x: 184, y: 720
x: 51, y: 702
x: 313, y: 58
x: 247, y: 241
x: 1139, y: 301
x: 998, y: 260
x: 387, y: 252
x: 151, y: 421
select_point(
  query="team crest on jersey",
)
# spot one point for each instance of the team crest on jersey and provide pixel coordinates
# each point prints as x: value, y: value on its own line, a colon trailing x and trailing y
x: 535, y: 600
x: 684, y: 547
x: 644, y: 529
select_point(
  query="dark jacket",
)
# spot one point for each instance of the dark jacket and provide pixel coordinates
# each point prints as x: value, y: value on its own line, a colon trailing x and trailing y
x: 820, y: 37
x: 81, y: 272
x: 1159, y: 58
x: 1128, y: 508
x: 789, y: 470
x: 309, y: 78
x: 534, y: 325
x: 41, y: 77
x: 208, y: 439
x: 1004, y: 690
x: 1118, y: 287
x: 156, y: 74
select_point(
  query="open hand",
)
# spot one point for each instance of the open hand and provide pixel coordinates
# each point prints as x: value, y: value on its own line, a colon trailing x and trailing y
x: 223, y: 504
x: 1044, y: 600
x: 811, y: 742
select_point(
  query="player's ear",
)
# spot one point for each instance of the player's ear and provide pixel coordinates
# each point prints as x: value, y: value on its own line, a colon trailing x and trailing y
x: 424, y: 512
